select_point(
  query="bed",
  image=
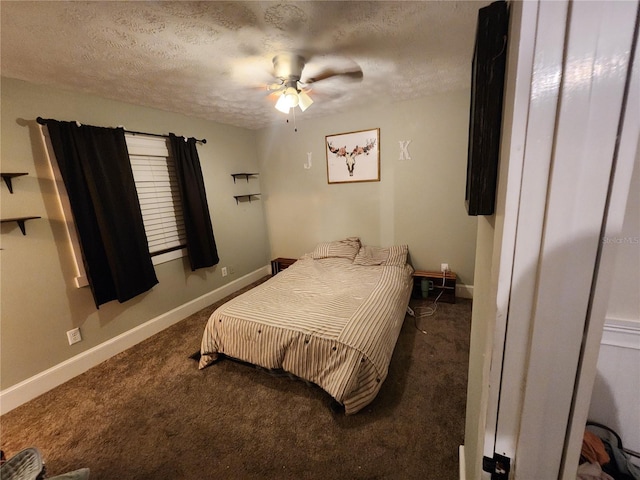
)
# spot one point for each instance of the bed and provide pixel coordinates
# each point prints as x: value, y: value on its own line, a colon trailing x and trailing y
x: 331, y: 318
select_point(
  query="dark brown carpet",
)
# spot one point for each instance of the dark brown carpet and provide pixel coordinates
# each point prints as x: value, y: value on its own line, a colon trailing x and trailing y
x: 149, y: 413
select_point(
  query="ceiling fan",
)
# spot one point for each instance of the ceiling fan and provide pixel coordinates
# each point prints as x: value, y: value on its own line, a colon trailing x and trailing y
x: 293, y: 89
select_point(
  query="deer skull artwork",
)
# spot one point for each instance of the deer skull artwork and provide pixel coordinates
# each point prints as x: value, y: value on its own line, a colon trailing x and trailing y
x: 350, y: 157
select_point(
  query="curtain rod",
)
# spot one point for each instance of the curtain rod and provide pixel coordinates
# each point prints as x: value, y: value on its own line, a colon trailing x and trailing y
x: 42, y: 121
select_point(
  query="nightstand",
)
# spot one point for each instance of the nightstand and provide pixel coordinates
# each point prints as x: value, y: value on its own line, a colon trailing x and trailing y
x: 280, y: 264
x: 434, y: 283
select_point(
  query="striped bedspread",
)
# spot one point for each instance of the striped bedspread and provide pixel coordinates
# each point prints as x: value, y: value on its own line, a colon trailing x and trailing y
x: 328, y: 321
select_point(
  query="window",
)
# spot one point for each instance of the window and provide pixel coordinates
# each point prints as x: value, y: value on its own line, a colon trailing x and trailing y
x: 156, y: 182
x: 154, y: 174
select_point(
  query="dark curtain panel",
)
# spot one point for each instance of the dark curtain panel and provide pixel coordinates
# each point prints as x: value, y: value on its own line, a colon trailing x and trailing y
x: 96, y: 171
x: 201, y: 246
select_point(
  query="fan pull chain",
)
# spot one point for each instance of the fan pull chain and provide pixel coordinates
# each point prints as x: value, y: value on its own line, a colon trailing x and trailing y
x: 295, y: 127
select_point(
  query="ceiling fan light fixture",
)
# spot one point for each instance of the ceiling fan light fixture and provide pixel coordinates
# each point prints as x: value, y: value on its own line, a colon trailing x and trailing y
x: 282, y: 104
x: 304, y: 101
x: 291, y: 97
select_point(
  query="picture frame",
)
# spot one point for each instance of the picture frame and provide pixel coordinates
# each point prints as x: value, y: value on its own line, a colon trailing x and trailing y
x: 353, y: 156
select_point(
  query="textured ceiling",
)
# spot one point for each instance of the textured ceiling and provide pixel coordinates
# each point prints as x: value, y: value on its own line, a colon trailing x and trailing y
x: 213, y: 59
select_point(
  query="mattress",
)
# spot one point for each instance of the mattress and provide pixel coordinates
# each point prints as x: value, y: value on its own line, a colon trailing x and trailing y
x: 328, y: 321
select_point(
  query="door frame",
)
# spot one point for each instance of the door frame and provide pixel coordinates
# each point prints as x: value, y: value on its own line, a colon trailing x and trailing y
x: 557, y: 192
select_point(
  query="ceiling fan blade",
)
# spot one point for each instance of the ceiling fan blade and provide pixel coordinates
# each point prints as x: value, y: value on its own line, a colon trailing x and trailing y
x: 352, y: 74
x: 275, y: 86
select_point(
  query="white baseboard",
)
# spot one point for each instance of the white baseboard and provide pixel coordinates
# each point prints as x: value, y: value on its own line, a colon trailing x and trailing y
x: 464, y: 291
x: 622, y: 333
x: 463, y: 468
x: 36, y: 385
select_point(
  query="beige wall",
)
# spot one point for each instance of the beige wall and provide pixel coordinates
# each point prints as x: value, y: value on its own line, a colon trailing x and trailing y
x: 419, y: 202
x: 39, y: 301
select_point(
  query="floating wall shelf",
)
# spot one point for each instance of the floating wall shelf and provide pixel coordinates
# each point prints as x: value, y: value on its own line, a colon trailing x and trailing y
x: 20, y: 221
x: 245, y: 175
x: 249, y: 195
x: 7, y: 177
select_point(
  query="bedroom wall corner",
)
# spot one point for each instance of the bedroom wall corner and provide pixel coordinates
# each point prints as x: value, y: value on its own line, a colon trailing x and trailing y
x: 418, y: 201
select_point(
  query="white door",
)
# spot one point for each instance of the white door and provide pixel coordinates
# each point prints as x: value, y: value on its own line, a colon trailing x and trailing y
x: 568, y: 72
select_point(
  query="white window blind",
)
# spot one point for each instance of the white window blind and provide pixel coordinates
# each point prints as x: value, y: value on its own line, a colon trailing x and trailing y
x: 156, y: 183
x: 155, y: 177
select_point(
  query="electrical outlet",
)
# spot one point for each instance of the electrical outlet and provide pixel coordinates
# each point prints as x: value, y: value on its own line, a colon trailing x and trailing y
x: 232, y: 269
x: 224, y: 271
x: 74, y: 336
x: 444, y: 267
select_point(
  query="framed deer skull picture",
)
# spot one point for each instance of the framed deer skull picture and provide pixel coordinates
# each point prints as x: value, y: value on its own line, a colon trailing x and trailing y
x: 354, y: 156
